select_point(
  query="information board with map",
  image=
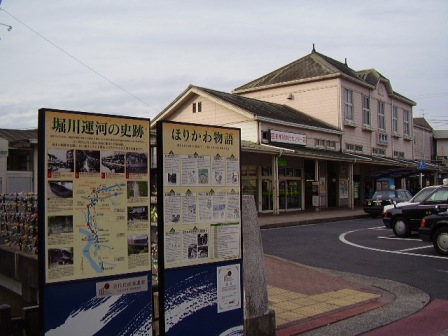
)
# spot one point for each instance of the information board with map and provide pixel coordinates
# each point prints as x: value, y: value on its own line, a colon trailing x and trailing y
x: 96, y: 195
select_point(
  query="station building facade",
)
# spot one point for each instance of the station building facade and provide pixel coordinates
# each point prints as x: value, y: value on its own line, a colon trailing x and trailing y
x: 315, y: 133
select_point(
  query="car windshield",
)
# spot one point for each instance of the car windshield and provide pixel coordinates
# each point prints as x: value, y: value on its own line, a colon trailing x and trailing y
x: 422, y: 194
x: 384, y: 194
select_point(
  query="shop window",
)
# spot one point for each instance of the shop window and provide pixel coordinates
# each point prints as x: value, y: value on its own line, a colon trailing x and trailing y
x: 249, y: 171
x: 266, y: 171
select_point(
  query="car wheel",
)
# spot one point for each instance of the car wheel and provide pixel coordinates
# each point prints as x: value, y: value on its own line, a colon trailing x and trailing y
x: 440, y: 241
x: 401, y: 227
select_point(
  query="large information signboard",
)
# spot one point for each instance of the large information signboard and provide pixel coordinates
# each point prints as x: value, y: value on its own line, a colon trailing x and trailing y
x: 201, y: 194
x: 94, y: 178
x: 200, y: 236
x: 97, y: 201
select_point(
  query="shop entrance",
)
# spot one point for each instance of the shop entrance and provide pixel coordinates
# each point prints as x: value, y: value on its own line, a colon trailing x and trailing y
x: 266, y: 195
x: 333, y: 173
x: 289, y: 192
x: 310, y: 177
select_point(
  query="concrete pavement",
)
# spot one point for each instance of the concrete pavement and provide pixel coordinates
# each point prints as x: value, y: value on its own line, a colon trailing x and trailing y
x: 313, y: 301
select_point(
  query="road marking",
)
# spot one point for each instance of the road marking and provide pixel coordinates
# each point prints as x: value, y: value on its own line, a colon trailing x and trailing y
x: 379, y: 228
x: 395, y: 238
x: 416, y: 248
x: 345, y: 241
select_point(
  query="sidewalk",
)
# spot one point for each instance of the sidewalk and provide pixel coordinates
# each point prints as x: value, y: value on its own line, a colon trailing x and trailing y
x: 312, y: 301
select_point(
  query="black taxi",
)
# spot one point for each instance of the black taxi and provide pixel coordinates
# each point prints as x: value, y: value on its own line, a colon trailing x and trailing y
x: 434, y: 229
x: 404, y: 218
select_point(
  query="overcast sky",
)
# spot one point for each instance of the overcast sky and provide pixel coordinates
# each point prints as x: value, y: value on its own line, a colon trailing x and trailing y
x: 135, y: 57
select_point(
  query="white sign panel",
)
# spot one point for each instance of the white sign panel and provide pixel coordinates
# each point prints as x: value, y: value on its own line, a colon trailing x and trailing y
x: 287, y: 137
x: 121, y: 286
x: 229, y: 289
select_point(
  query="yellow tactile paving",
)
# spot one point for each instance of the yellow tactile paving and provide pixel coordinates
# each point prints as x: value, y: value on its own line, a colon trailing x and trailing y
x: 294, y: 295
x: 275, y: 290
x: 304, y: 301
x: 293, y: 306
x: 278, y: 298
x: 292, y: 316
x: 321, y: 297
x: 287, y: 305
x: 316, y: 309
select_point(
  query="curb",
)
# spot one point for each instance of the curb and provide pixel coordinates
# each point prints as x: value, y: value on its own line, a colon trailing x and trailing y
x: 408, y: 300
x: 310, y: 221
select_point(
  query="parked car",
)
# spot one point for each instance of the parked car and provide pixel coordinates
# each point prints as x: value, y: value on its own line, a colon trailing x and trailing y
x: 374, y: 206
x: 404, y: 218
x: 434, y: 229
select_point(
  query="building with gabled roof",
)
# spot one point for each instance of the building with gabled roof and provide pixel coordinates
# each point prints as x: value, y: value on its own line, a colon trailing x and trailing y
x: 358, y: 132
x: 423, y: 140
x: 441, y: 146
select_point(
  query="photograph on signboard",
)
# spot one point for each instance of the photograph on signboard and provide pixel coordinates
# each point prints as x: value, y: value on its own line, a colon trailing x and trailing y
x: 60, y: 160
x: 112, y: 162
x: 136, y: 190
x: 137, y: 213
x: 60, y: 189
x: 136, y: 163
x: 60, y: 256
x: 60, y: 230
x: 87, y: 161
x: 138, y: 243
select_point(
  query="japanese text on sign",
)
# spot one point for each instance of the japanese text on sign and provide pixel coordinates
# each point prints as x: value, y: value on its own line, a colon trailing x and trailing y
x: 62, y: 125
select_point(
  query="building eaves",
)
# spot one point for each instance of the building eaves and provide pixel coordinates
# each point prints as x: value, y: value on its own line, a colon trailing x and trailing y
x: 17, y: 135
x: 440, y: 134
x: 396, y: 95
x: 171, y: 105
x: 296, y: 150
x: 421, y: 122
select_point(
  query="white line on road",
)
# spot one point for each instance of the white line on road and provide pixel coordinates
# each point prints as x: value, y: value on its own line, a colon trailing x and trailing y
x: 416, y: 248
x: 395, y: 238
x: 345, y: 241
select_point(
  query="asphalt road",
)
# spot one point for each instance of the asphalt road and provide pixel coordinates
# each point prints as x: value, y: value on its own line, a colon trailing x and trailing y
x: 365, y: 247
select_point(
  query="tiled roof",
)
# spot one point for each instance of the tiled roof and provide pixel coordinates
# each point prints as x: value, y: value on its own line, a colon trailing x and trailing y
x: 314, y: 66
x: 371, y: 76
x: 440, y: 134
x: 15, y: 135
x: 422, y: 123
x: 269, y: 110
